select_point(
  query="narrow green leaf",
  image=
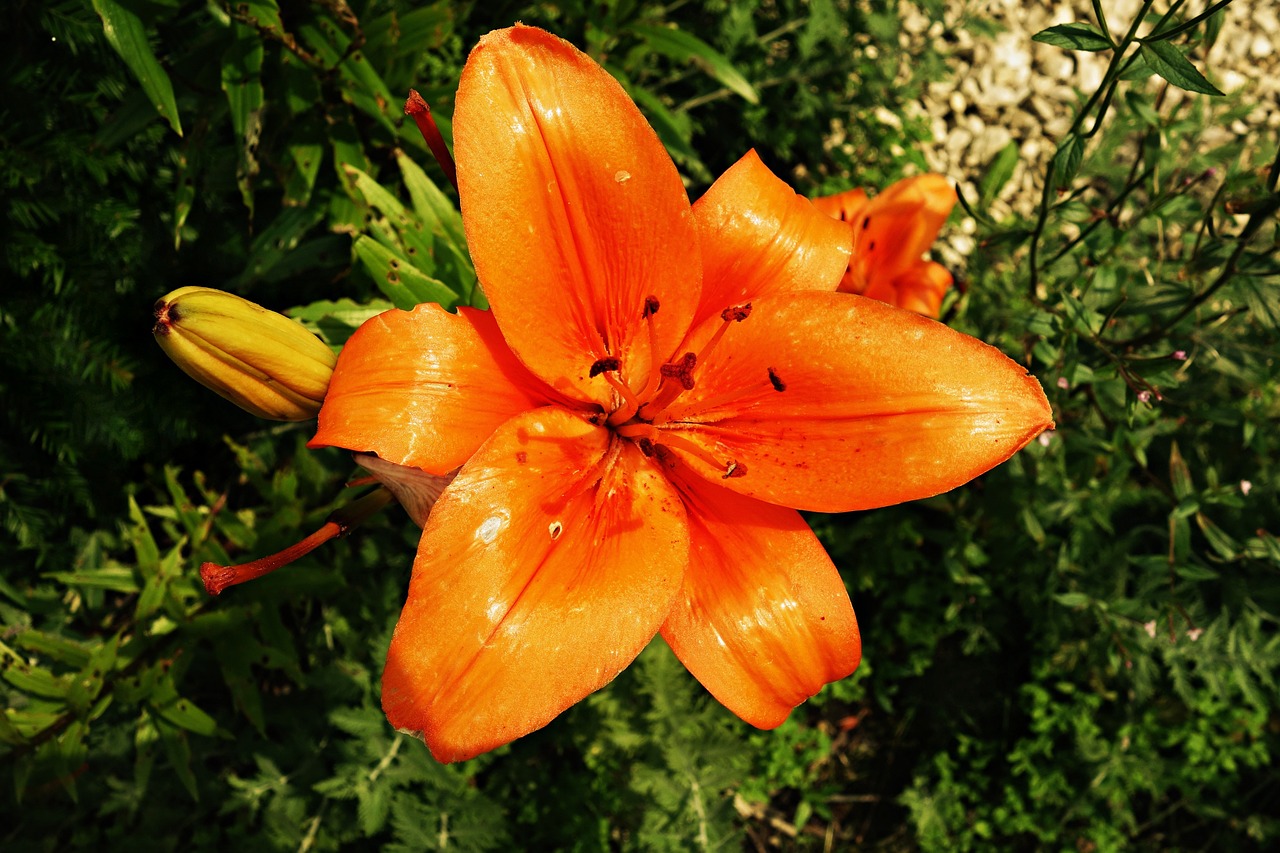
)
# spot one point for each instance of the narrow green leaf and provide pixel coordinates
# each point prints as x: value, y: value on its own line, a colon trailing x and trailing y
x: 179, y: 752
x: 128, y: 37
x: 1180, y: 474
x: 1073, y: 599
x: 1170, y: 63
x: 181, y: 712
x: 682, y: 46
x: 998, y: 174
x: 1074, y: 37
x: 242, y: 82
x: 1066, y: 161
x: 674, y: 129
x: 401, y: 282
x: 1227, y: 547
x: 115, y: 578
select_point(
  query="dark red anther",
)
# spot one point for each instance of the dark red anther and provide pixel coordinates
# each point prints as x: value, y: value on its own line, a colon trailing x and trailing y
x: 683, y: 370
x: 646, y: 446
x: 650, y: 306
x: 737, y: 313
x: 735, y: 469
x: 605, y: 365
x: 776, y: 381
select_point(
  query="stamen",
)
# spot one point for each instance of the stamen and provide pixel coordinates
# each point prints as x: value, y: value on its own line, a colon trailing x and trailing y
x: 217, y: 578
x: 712, y: 403
x: 776, y: 381
x: 669, y: 391
x: 417, y: 107
x: 685, y: 445
x: 734, y: 470
x: 628, y: 411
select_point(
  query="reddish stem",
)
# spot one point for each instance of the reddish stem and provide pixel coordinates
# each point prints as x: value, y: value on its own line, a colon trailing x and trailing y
x: 417, y: 107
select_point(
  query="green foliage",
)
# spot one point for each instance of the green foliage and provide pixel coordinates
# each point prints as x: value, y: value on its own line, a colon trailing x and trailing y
x: 1080, y: 649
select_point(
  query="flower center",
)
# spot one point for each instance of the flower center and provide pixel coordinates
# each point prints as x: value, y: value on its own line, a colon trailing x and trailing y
x: 645, y: 416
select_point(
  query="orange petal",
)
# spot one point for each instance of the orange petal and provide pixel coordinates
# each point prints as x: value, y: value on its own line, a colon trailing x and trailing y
x: 919, y: 288
x: 899, y: 225
x: 763, y: 620
x: 425, y: 388
x: 759, y: 237
x: 845, y: 206
x: 573, y: 210
x: 544, y: 569
x: 877, y: 405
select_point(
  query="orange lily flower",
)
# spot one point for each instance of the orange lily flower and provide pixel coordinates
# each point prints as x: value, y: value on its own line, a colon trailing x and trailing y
x: 653, y: 393
x: 890, y: 233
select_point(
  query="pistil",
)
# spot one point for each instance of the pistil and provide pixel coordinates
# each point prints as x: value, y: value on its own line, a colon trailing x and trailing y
x: 217, y: 578
x: 417, y: 107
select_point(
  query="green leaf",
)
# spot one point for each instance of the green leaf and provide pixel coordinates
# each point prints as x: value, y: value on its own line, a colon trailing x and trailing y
x: 1074, y: 37
x: 682, y: 46
x: 179, y: 752
x: 1169, y: 62
x: 1073, y: 599
x: 115, y: 578
x: 1066, y: 161
x: 242, y: 82
x: 125, y: 33
x: 998, y: 174
x: 403, y: 283
x: 1180, y: 474
x: 179, y: 711
x: 674, y: 129
x: 1227, y: 547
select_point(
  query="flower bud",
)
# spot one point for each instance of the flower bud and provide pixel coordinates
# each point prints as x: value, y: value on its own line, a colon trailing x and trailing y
x: 264, y: 362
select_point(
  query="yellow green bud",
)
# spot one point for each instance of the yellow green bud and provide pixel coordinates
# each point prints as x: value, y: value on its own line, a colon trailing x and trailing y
x: 264, y: 362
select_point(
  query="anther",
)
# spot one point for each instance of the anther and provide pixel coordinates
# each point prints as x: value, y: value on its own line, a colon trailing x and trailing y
x: 776, y: 381
x: 646, y: 446
x: 734, y: 470
x: 736, y: 313
x: 682, y: 370
x: 604, y: 365
x: 650, y: 306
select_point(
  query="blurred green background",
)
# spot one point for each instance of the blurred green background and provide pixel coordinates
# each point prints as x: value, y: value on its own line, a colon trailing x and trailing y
x: 1078, y: 650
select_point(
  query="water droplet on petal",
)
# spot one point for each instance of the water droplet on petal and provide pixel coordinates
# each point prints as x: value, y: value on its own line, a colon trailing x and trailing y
x: 621, y: 176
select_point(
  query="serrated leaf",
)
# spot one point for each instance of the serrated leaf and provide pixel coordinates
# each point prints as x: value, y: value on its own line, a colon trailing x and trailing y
x: 1074, y: 37
x: 1170, y: 63
x: 682, y: 46
x: 128, y: 37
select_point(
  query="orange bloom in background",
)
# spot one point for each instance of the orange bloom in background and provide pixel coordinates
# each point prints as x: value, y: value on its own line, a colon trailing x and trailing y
x: 890, y: 234
x: 655, y: 391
